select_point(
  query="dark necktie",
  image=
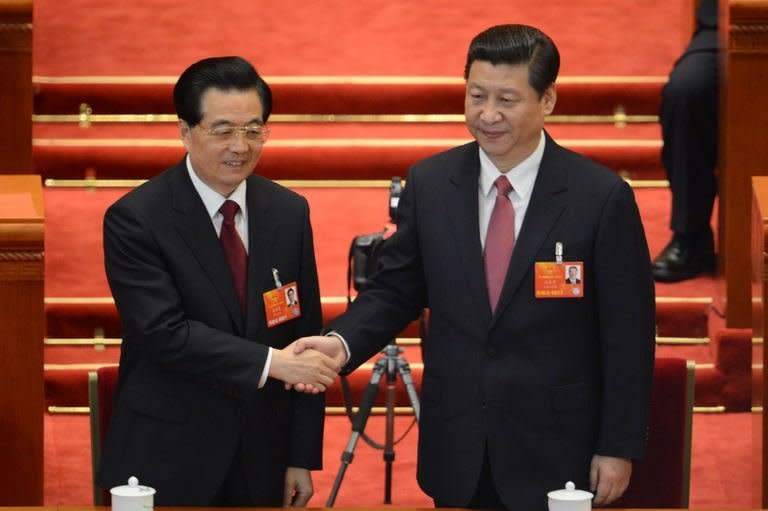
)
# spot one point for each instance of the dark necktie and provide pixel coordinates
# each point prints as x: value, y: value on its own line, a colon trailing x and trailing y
x: 234, y: 250
x: 499, y: 241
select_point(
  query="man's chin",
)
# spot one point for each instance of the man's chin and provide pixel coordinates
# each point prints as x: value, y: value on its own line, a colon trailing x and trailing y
x: 492, y: 148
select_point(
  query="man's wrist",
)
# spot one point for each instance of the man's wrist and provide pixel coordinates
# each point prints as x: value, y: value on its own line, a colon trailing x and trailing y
x: 334, y: 333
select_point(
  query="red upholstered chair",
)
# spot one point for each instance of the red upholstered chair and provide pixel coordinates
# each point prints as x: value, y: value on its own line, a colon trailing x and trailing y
x: 101, y: 389
x: 662, y: 479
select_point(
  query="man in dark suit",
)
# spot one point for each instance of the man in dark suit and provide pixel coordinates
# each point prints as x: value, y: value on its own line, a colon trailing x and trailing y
x: 526, y: 384
x: 200, y: 411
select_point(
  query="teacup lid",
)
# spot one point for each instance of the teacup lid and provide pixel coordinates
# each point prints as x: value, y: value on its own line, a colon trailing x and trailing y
x: 133, y: 489
x: 570, y: 493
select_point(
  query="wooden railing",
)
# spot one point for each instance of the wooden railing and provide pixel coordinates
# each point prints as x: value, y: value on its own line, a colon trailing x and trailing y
x: 759, y: 284
x: 743, y: 29
x: 22, y: 328
x: 16, y: 86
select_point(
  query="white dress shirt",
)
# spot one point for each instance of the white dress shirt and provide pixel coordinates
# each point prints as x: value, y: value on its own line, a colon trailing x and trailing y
x: 213, y: 200
x: 522, y: 178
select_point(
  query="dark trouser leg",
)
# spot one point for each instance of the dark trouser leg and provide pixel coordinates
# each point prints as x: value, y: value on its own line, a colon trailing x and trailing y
x: 234, y: 490
x: 486, y: 496
x: 688, y: 117
x: 689, y: 112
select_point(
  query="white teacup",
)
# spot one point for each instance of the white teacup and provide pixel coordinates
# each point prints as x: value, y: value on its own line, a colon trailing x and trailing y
x: 132, y: 497
x: 569, y: 499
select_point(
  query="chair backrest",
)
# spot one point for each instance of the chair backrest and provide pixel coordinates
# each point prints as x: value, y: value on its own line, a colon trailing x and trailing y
x: 662, y: 478
x: 101, y: 390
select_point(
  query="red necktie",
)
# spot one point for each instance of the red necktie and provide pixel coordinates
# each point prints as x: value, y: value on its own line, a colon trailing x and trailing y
x: 234, y: 250
x: 499, y: 241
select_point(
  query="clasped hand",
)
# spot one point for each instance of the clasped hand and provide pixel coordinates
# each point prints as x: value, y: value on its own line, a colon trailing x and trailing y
x: 309, y: 364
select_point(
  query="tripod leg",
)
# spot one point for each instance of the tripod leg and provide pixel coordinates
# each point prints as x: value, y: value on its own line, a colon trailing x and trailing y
x: 389, y: 437
x: 405, y: 373
x: 358, y: 425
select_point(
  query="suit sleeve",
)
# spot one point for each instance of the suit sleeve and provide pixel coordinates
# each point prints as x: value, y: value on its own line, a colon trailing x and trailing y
x: 395, y: 295
x: 308, y: 409
x: 155, y: 327
x: 626, y: 308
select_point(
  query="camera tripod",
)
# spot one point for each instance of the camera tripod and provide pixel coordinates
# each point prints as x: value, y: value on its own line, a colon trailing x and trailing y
x: 390, y: 363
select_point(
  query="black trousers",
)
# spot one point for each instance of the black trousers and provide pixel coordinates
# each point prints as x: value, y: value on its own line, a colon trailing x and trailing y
x: 234, y: 491
x: 486, y: 496
x: 689, y: 115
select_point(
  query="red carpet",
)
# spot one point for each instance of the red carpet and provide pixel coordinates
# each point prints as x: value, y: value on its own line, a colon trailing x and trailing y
x: 720, y: 475
x: 338, y: 37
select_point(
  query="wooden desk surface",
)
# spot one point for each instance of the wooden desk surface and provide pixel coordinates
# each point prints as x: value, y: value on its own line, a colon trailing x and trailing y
x: 106, y: 508
x: 383, y: 508
x: 21, y: 198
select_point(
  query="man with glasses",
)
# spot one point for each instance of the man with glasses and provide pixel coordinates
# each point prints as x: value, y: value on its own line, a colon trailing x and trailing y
x: 196, y: 259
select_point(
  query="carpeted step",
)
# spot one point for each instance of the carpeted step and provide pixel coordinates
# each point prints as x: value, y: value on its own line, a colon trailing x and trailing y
x: 681, y: 317
x: 362, y: 129
x: 308, y: 159
x: 344, y: 95
x: 319, y: 150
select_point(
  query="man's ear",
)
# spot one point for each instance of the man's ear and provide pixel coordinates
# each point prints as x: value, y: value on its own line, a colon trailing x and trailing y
x: 185, y: 132
x: 548, y: 99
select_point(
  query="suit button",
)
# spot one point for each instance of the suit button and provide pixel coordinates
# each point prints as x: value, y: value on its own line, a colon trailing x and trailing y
x: 491, y: 350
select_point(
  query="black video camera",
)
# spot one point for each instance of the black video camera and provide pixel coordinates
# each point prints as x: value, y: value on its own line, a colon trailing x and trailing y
x: 365, y: 248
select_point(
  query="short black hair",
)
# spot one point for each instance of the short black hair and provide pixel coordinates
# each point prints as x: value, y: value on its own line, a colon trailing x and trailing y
x: 518, y: 44
x: 223, y: 73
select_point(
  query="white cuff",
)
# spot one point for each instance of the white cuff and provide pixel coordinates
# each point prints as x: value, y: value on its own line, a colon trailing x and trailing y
x: 265, y: 371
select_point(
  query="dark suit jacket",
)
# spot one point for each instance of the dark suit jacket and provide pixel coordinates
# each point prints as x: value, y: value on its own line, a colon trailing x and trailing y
x: 187, y: 399
x: 543, y: 383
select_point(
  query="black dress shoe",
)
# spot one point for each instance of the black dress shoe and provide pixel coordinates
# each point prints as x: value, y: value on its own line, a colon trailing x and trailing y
x: 684, y: 257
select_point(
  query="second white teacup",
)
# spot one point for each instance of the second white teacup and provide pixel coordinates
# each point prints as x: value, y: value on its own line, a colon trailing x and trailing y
x: 569, y: 499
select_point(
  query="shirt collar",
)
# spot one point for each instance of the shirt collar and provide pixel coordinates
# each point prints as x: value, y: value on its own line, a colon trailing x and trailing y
x: 213, y: 199
x: 521, y: 177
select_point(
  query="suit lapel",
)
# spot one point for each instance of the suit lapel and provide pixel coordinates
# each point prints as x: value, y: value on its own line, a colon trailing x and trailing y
x: 462, y: 212
x: 262, y: 228
x: 193, y: 223
x: 545, y: 207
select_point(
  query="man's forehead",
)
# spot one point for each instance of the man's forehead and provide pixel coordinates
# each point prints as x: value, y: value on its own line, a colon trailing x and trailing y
x: 222, y: 105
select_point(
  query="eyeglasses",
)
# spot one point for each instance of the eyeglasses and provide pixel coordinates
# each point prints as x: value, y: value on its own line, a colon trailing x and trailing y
x: 253, y: 132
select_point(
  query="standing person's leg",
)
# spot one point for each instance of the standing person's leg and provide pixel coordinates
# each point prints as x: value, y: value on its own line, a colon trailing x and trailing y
x: 689, y: 114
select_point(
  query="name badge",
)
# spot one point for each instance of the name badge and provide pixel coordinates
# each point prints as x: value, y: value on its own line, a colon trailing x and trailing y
x: 559, y: 280
x: 282, y: 304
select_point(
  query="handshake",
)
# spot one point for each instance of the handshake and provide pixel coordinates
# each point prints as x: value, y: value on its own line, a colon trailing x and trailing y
x: 309, y: 364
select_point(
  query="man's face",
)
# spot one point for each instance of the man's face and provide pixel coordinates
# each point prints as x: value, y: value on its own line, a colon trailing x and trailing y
x: 222, y: 163
x: 572, y: 272
x: 503, y: 112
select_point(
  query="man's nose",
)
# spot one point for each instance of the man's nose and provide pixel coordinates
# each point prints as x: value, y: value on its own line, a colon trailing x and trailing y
x: 490, y: 112
x: 237, y: 142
